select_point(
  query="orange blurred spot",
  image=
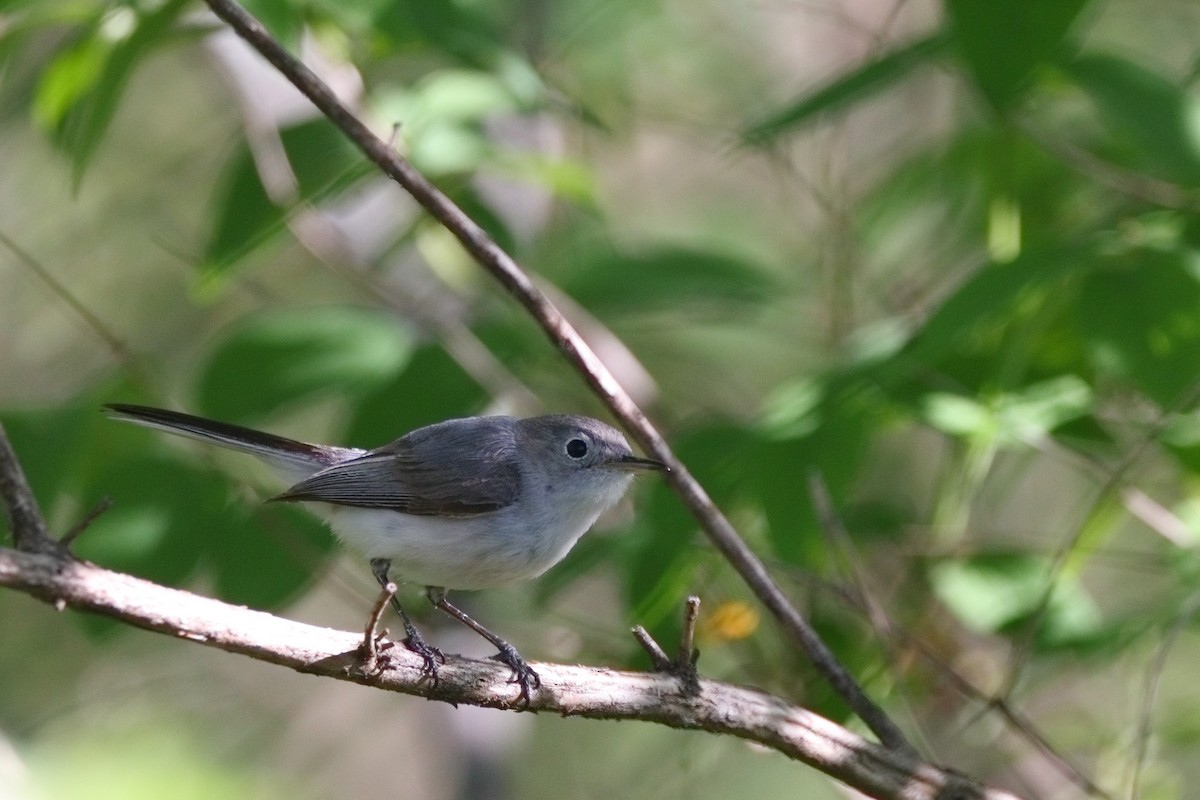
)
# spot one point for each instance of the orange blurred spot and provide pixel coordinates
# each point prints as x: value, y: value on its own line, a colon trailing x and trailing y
x: 729, y: 622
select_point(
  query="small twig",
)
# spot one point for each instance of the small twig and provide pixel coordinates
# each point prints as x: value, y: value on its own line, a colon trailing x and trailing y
x: 658, y: 657
x: 29, y: 532
x: 1112, y: 484
x: 566, y: 338
x: 683, y: 666
x: 685, y: 661
x: 1150, y: 692
x: 835, y: 530
x: 1012, y: 717
x: 687, y: 646
x: 114, y: 342
x: 890, y: 633
x: 68, y: 538
x: 372, y: 635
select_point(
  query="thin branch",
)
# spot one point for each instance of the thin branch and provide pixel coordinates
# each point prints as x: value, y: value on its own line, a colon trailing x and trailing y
x: 493, y: 259
x: 371, y: 648
x: 76, y: 530
x: 1124, y: 181
x: 566, y: 689
x: 1016, y: 721
x: 25, y: 520
x: 658, y: 656
x: 60, y: 290
x: 1112, y: 485
x: 1150, y: 692
x: 892, y: 634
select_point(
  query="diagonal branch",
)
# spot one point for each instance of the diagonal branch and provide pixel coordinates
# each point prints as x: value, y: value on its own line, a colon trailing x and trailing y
x: 566, y: 689
x: 25, y: 520
x: 510, y: 275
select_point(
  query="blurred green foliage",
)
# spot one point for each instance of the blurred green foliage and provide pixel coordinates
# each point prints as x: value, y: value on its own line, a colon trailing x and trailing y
x: 981, y: 335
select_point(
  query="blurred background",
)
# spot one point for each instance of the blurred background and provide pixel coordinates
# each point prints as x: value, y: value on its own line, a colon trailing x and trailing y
x: 943, y: 255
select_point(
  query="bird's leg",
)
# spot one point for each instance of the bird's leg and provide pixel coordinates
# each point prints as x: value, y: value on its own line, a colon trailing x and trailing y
x: 523, y: 674
x: 413, y: 639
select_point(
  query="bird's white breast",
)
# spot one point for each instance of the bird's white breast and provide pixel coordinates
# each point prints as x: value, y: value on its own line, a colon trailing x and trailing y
x: 518, y: 542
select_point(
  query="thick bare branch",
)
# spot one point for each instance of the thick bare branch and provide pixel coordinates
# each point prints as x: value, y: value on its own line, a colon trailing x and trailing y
x: 492, y: 258
x: 566, y: 689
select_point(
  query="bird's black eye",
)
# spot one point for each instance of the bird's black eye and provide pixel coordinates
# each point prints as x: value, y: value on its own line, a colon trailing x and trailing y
x: 577, y: 448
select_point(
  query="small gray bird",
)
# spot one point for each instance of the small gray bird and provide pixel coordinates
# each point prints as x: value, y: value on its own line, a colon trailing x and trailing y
x: 463, y: 504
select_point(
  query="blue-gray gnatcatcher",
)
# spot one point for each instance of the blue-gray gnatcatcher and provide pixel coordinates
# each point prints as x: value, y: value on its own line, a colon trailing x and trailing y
x: 464, y: 504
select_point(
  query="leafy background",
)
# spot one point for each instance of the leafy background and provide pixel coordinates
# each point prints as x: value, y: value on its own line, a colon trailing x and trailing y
x: 946, y: 256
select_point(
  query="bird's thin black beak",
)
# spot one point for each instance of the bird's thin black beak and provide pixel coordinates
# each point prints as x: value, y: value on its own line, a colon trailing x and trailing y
x: 637, y: 464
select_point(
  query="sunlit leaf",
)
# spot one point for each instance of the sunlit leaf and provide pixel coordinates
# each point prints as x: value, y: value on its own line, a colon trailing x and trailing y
x: 1036, y: 410
x: 991, y: 593
x: 958, y: 416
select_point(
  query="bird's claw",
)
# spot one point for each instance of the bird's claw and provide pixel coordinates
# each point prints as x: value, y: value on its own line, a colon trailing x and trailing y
x: 431, y: 655
x: 522, y: 674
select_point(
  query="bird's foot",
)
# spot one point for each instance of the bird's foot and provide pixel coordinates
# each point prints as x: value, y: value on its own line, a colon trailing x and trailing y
x: 431, y: 655
x: 522, y: 674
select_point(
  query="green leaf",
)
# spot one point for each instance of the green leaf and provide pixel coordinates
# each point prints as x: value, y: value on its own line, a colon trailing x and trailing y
x: 432, y: 387
x: 1011, y: 418
x: 1155, y: 124
x: 832, y: 444
x: 454, y: 28
x: 984, y: 306
x: 163, y: 513
x: 662, y: 561
x: 678, y: 279
x: 870, y: 78
x: 661, y: 553
x: 1004, y: 42
x: 960, y: 416
x: 444, y: 118
x: 266, y: 559
x: 996, y: 592
x: 47, y: 444
x: 280, y: 359
x: 80, y: 91
x: 568, y: 179
x: 69, y: 78
x: 1140, y: 320
x: 246, y: 217
x: 1040, y: 408
x: 280, y: 17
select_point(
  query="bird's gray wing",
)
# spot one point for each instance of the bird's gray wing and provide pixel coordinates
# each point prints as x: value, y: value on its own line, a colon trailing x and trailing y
x: 461, y: 471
